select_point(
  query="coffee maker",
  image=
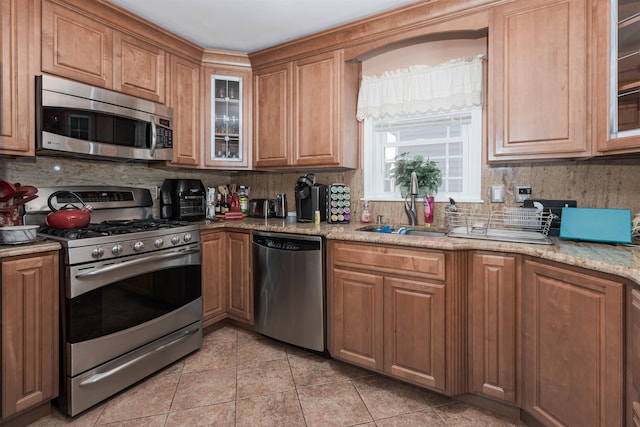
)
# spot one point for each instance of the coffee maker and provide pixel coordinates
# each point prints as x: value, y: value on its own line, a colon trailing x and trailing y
x: 310, y: 197
x: 183, y: 199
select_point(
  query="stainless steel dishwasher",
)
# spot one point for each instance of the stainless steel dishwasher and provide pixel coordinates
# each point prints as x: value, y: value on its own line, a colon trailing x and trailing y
x: 289, y: 288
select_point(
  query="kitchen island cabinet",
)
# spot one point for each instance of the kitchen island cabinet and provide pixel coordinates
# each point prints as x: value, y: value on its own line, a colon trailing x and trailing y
x: 19, y: 50
x: 304, y: 113
x: 538, y: 83
x: 494, y: 325
x: 395, y: 310
x: 572, y: 346
x: 29, y: 333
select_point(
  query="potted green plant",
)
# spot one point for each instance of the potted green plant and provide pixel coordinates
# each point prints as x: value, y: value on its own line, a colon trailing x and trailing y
x: 427, y: 171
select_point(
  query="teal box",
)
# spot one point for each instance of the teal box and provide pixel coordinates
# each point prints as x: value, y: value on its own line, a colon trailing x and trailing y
x: 596, y: 225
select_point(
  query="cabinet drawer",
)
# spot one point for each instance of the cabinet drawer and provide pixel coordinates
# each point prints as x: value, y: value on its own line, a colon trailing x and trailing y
x: 411, y: 262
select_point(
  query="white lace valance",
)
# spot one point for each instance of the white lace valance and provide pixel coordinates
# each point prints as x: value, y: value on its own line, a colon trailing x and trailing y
x: 421, y: 89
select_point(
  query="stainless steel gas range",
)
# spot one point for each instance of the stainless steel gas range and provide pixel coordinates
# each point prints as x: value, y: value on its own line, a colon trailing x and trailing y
x: 131, y: 297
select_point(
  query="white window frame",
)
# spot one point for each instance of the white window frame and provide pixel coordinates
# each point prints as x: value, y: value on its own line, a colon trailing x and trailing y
x: 471, y: 163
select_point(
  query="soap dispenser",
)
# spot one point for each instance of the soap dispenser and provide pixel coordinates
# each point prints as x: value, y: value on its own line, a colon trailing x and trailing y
x: 366, y: 213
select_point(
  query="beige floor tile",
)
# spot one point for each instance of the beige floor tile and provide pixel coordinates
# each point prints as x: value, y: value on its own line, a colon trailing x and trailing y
x: 212, y: 356
x: 224, y: 334
x: 278, y: 409
x: 259, y: 378
x: 311, y: 369
x: 175, y: 368
x: 387, y: 398
x: 462, y: 415
x: 333, y: 404
x: 153, y: 421
x: 222, y: 414
x: 205, y: 388
x: 56, y: 418
x: 259, y: 350
x: 151, y: 397
x: 426, y: 418
x: 246, y: 334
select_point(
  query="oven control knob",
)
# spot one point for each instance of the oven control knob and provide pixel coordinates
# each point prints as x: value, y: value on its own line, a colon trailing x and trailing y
x: 187, y: 237
x: 117, y: 249
x: 175, y: 240
x: 97, y: 252
x: 138, y: 246
x: 158, y: 242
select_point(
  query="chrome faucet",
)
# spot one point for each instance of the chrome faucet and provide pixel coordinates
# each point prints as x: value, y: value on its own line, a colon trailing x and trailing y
x: 410, y: 208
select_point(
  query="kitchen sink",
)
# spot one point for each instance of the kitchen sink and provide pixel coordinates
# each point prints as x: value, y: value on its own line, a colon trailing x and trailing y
x: 403, y: 230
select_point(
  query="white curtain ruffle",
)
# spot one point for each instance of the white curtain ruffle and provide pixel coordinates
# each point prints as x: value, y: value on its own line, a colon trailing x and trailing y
x: 422, y: 89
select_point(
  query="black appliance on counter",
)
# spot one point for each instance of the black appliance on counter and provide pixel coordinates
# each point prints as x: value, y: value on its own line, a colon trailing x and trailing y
x: 310, y: 197
x: 555, y: 206
x: 183, y: 199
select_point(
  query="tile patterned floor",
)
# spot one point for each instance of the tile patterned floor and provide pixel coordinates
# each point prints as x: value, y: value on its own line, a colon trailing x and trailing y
x: 240, y: 379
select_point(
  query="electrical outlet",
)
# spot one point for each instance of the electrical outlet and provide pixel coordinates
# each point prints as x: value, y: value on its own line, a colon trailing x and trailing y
x: 522, y: 193
x: 497, y: 194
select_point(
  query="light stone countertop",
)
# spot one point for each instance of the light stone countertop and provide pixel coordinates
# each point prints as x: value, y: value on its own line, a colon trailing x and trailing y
x: 618, y: 260
x: 29, y: 248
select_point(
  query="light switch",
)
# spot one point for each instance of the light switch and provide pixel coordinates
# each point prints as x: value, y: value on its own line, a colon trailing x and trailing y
x: 497, y: 194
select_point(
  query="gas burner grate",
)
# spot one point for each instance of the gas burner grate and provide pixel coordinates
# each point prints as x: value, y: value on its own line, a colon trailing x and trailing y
x: 112, y: 227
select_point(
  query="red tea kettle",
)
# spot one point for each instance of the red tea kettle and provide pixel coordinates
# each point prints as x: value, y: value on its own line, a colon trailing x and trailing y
x: 69, y: 215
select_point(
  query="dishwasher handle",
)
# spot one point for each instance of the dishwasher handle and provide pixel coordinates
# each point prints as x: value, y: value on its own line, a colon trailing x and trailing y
x: 287, y: 244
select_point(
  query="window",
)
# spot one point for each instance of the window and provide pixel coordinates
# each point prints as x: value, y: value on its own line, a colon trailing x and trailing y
x: 452, y: 139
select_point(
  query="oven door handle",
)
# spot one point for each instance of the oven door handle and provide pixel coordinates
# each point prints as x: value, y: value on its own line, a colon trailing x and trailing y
x: 104, y: 375
x: 136, y: 262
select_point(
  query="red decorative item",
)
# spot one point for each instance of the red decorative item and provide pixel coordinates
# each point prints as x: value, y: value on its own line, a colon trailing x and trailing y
x: 68, y: 216
x: 428, y: 209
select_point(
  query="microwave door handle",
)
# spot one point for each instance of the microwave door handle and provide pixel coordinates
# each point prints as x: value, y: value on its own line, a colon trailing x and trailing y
x: 154, y: 136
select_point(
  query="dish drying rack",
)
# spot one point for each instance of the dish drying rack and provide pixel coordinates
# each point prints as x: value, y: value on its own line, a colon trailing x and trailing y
x: 521, y: 225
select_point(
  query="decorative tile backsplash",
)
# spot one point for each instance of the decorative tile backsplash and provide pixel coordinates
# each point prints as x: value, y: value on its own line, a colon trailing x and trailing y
x: 593, y: 183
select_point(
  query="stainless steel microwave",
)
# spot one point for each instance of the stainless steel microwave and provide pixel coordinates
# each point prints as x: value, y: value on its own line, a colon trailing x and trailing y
x: 77, y: 119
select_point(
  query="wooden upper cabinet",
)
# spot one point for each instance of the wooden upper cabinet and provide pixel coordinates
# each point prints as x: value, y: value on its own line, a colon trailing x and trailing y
x: 76, y: 46
x: 185, y: 101
x: 494, y: 325
x: 304, y: 113
x: 19, y: 49
x: 623, y: 137
x: 572, y: 359
x: 29, y: 331
x: 139, y: 68
x: 226, y: 105
x: 538, y: 80
x: 271, y: 116
x: 84, y: 49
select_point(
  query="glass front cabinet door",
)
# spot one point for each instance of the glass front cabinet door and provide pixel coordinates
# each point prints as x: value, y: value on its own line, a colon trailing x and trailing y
x: 226, y: 137
x: 618, y: 75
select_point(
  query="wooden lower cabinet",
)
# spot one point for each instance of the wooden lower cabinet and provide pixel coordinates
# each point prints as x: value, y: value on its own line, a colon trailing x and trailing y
x: 227, y: 289
x: 29, y: 332
x: 572, y: 346
x: 633, y: 357
x: 239, y: 288
x: 392, y: 310
x: 214, y: 275
x: 494, y: 325
x: 414, y: 331
x: 356, y: 315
